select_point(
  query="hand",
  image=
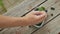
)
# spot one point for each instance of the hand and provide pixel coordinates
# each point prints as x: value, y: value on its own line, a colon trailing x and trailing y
x: 35, y: 17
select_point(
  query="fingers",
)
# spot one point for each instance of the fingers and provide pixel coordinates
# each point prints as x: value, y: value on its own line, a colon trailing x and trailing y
x: 35, y: 17
x: 41, y: 16
x: 37, y: 12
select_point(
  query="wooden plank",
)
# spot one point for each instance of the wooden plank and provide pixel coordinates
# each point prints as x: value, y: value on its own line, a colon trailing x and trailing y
x: 18, y: 11
x: 22, y: 8
x: 52, y: 27
x: 51, y: 3
x: 8, y: 4
x: 11, y: 3
x: 47, y: 5
x: 56, y: 5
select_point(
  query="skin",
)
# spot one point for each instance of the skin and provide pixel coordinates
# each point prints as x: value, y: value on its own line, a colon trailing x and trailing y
x: 31, y: 18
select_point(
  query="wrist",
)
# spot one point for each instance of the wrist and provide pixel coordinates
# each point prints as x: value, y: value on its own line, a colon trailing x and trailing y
x: 20, y: 21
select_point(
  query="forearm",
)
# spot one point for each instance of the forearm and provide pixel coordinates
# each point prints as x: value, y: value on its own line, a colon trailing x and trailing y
x: 6, y: 21
x: 29, y: 19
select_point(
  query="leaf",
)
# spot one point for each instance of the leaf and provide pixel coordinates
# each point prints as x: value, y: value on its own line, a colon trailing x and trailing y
x: 40, y: 9
x: 2, y: 6
x: 1, y: 3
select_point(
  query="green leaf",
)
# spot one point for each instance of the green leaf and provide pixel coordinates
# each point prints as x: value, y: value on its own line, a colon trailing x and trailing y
x: 40, y: 9
x: 1, y: 3
x: 2, y: 6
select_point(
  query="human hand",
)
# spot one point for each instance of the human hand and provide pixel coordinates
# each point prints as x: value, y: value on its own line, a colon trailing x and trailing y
x: 35, y: 17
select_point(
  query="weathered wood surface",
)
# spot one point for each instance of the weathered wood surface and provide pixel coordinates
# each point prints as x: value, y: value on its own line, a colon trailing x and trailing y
x: 11, y: 3
x: 51, y: 28
x: 22, y: 8
x: 18, y: 11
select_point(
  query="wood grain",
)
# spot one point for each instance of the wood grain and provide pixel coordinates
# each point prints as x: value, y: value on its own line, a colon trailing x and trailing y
x: 51, y: 27
x: 18, y: 11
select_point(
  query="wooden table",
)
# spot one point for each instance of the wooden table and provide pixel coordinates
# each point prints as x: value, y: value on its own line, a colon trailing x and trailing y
x: 51, y: 24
